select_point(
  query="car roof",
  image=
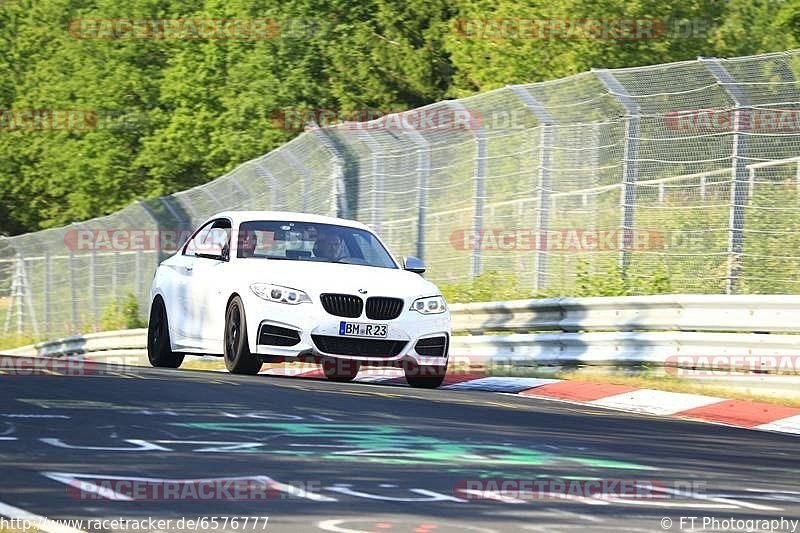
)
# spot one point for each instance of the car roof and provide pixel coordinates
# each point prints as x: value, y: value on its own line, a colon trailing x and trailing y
x: 290, y: 216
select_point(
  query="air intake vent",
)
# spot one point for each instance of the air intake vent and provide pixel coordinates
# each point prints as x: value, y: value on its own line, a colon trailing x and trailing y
x: 358, y: 347
x: 345, y: 305
x: 432, y: 346
x: 380, y: 308
x: 278, y: 336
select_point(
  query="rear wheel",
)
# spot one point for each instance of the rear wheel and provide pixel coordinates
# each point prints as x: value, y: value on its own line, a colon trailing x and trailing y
x: 238, y: 359
x: 159, y: 350
x: 341, y: 370
x: 424, y: 377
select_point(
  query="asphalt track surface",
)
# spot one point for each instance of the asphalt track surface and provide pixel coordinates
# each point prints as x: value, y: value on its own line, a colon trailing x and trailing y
x: 366, y: 457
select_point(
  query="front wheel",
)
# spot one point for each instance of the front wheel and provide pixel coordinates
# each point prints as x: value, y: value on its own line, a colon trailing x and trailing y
x: 238, y: 359
x: 159, y: 349
x: 425, y: 377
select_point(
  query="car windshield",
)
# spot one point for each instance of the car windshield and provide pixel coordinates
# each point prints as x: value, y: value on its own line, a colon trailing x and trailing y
x: 308, y: 241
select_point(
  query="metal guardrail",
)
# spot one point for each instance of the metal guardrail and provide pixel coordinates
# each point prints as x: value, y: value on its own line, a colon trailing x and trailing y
x: 124, y: 346
x: 682, y: 312
x: 651, y: 330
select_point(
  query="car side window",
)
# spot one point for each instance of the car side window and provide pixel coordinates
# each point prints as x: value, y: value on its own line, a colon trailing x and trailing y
x: 196, y: 243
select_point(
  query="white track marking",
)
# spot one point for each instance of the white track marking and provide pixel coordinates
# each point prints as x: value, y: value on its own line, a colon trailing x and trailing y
x: 655, y: 402
x: 715, y: 499
x: 491, y: 495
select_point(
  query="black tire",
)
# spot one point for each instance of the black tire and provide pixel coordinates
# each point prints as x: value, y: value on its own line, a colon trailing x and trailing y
x: 341, y: 370
x: 238, y: 359
x: 159, y: 350
x: 424, y: 377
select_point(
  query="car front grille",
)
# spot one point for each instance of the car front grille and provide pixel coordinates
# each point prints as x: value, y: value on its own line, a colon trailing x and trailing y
x: 358, y: 347
x: 382, y: 308
x: 346, y: 305
x: 432, y: 346
x: 278, y: 336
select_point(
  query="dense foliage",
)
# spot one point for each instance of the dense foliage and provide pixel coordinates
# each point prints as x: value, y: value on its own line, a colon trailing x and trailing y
x: 173, y: 113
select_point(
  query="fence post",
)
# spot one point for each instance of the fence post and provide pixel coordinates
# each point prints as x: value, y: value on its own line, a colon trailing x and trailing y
x: 423, y: 173
x: 196, y: 218
x: 377, y: 196
x: 303, y: 171
x: 740, y: 185
x: 47, y: 291
x: 93, y: 287
x: 264, y: 172
x: 72, y: 293
x: 630, y: 171
x: 546, y: 138
x: 479, y: 189
x: 338, y: 197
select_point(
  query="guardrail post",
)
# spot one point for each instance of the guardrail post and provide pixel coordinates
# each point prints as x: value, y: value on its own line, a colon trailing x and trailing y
x: 545, y: 186
x: 423, y: 173
x: 338, y: 194
x: 630, y: 169
x: 740, y: 185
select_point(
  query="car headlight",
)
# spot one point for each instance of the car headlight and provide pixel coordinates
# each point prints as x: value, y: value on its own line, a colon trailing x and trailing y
x: 432, y: 305
x: 278, y: 294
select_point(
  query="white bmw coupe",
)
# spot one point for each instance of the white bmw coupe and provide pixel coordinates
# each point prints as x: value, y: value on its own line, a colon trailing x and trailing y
x: 263, y: 286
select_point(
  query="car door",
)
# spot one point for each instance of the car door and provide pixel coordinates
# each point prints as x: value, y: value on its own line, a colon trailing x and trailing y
x: 183, y: 316
x: 208, y: 278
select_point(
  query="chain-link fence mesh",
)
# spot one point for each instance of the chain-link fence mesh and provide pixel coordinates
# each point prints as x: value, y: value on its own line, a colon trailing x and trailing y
x: 682, y: 177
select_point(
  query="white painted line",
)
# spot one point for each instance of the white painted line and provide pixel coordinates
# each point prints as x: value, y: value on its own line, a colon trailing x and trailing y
x: 36, y: 416
x: 42, y: 523
x: 715, y: 499
x: 8, y: 438
x: 491, y: 495
x: 659, y: 503
x: 288, y: 371
x: 655, y: 402
x: 784, y: 425
x: 500, y: 384
x: 77, y: 481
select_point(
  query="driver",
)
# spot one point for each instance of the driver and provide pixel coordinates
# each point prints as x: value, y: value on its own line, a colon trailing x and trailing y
x: 329, y: 245
x: 247, y: 243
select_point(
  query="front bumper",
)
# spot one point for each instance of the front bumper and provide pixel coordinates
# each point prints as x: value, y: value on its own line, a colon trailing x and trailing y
x: 319, y: 338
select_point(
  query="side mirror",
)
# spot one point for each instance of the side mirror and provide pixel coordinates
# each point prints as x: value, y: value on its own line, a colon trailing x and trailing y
x: 413, y: 264
x: 214, y: 246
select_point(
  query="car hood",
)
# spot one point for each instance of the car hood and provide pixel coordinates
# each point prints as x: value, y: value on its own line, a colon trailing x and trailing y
x: 316, y: 278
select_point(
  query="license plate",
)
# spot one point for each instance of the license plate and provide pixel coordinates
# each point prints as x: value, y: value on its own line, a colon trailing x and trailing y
x: 359, y: 329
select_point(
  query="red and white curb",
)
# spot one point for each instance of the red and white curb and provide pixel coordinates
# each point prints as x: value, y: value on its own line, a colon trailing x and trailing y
x: 736, y: 413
